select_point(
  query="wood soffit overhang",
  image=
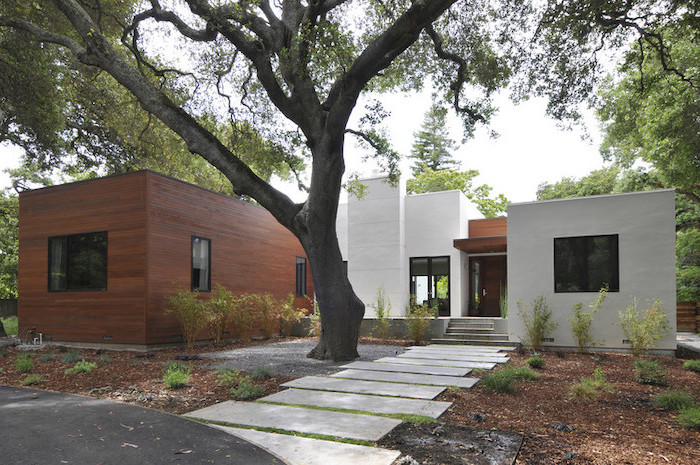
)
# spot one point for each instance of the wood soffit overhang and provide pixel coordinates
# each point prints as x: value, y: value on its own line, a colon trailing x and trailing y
x: 497, y: 244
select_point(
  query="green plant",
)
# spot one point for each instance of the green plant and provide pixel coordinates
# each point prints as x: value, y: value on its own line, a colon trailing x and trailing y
x: 503, y: 302
x: 382, y: 308
x: 246, y: 390
x: 418, y: 319
x: 220, y: 307
x: 71, y: 356
x: 503, y: 380
x: 538, y: 322
x: 176, y: 375
x: 104, y: 359
x: 582, y: 321
x: 692, y: 365
x: 674, y: 400
x: 10, y: 323
x: 590, y: 388
x: 24, y: 363
x: 81, y: 367
x: 689, y: 418
x: 649, y: 372
x: 270, y: 314
x: 30, y: 380
x: 227, y: 377
x: 536, y: 361
x: 289, y: 315
x: 47, y: 357
x: 261, y: 373
x: 643, y: 330
x: 190, y: 313
x: 247, y: 313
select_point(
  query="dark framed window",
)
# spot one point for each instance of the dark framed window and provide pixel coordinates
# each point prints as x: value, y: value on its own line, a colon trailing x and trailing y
x: 586, y: 263
x: 430, y: 282
x: 301, y: 277
x: 78, y: 262
x: 201, y: 264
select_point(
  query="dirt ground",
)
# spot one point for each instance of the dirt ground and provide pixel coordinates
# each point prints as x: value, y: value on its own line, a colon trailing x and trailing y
x: 620, y: 428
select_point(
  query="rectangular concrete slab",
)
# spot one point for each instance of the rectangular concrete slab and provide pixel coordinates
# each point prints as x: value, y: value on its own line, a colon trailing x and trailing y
x: 295, y: 450
x: 436, y: 350
x: 407, y: 368
x: 379, y: 388
x: 463, y: 346
x: 456, y: 358
x: 374, y: 404
x: 412, y: 378
x: 437, y: 363
x: 344, y: 425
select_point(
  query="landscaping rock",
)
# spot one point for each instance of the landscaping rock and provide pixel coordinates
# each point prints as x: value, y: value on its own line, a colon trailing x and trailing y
x: 563, y: 427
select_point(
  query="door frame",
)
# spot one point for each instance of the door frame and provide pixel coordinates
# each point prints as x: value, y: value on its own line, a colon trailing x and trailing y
x: 473, y: 310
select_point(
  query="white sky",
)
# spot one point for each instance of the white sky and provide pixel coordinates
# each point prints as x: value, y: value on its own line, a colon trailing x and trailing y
x: 531, y: 148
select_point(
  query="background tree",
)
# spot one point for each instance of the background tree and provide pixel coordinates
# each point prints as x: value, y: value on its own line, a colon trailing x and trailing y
x: 9, y: 213
x: 432, y: 146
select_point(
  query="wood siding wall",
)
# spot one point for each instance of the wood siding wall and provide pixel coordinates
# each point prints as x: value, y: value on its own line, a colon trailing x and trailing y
x: 250, y: 251
x: 688, y: 317
x: 489, y: 227
x: 116, y: 205
x: 150, y: 220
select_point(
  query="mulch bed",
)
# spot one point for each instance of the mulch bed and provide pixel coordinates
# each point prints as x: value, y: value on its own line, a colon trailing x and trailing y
x: 620, y: 428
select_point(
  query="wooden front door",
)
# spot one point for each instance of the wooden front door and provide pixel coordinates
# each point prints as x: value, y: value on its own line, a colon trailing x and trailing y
x: 487, y: 281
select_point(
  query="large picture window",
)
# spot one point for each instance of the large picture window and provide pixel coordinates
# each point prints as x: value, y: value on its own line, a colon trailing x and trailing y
x: 301, y: 277
x: 586, y: 263
x: 201, y: 264
x: 430, y: 282
x: 78, y: 262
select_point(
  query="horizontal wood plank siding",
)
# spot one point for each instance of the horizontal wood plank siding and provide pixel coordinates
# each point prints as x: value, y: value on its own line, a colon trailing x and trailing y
x: 688, y: 317
x: 114, y: 204
x: 250, y: 251
x: 489, y: 227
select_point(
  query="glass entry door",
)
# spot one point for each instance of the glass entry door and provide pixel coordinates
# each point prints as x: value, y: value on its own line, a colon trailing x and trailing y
x: 430, y: 282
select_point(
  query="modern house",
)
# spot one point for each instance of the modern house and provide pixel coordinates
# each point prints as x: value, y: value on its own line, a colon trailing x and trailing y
x: 98, y: 257
x: 438, y: 248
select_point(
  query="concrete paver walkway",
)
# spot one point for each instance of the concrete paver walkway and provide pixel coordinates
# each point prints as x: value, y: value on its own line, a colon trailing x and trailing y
x: 408, y: 378
x: 318, y: 383
x: 438, y: 363
x: 459, y: 358
x: 407, y: 368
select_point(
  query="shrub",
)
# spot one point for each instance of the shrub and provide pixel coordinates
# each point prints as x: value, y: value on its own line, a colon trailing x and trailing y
x: 47, y: 357
x: 418, y: 319
x: 503, y: 302
x: 499, y: 383
x: 81, y: 367
x: 692, y: 365
x: 674, y: 400
x: 538, y: 322
x: 246, y: 390
x: 643, y: 330
x: 689, y: 418
x: 270, y: 314
x: 289, y: 315
x: 71, y: 356
x: 247, y: 313
x: 590, y: 388
x: 24, y: 363
x: 227, y: 377
x: 536, y: 362
x: 382, y: 307
x: 30, y: 380
x: 220, y: 307
x: 104, y: 359
x: 261, y: 373
x: 190, y: 313
x: 10, y: 324
x: 582, y: 321
x: 176, y: 375
x: 649, y: 372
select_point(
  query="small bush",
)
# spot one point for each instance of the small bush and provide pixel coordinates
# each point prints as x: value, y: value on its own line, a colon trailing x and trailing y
x: 692, y: 365
x: 71, y: 356
x: 246, y: 390
x: 31, y: 380
x: 643, y: 330
x: 418, y: 319
x: 190, y: 313
x: 24, y: 363
x: 81, y: 367
x: 674, y: 400
x: 228, y: 377
x: 47, y: 357
x: 261, y: 373
x: 582, y: 321
x: 499, y: 383
x: 649, y: 372
x: 247, y: 313
x: 176, y: 375
x: 10, y: 324
x: 104, y: 359
x: 290, y: 315
x: 220, y: 307
x: 590, y: 388
x: 382, y: 308
x: 689, y: 418
x: 538, y: 322
x: 536, y: 362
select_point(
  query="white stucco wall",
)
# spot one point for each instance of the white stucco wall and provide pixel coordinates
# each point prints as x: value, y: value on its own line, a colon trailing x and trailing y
x: 645, y: 223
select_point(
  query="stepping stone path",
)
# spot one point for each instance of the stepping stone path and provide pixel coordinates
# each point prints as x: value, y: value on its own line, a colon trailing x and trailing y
x: 314, y: 405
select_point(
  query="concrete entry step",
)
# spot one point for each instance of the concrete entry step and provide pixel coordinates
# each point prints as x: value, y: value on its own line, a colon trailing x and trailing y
x: 373, y: 404
x: 462, y: 347
x: 344, y: 425
x: 410, y: 378
x: 456, y: 358
x: 380, y: 388
x: 465, y: 352
x: 505, y: 343
x: 407, y: 368
x: 295, y: 450
x: 437, y: 363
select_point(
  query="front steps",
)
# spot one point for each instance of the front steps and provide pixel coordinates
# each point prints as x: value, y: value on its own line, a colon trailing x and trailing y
x: 473, y: 331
